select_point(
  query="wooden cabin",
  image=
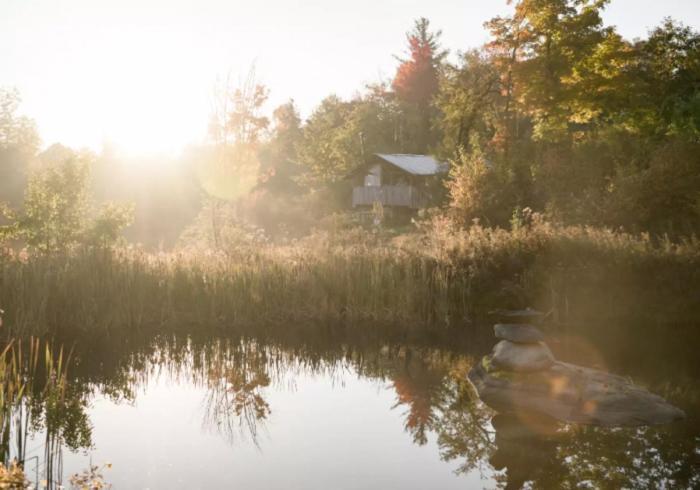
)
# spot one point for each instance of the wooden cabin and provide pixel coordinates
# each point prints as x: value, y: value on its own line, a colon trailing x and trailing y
x: 396, y: 181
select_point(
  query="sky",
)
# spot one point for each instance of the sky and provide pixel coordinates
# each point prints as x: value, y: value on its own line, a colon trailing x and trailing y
x: 139, y: 74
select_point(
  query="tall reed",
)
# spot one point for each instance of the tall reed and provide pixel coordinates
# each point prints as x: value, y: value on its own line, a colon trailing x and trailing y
x: 442, y: 277
x: 32, y: 374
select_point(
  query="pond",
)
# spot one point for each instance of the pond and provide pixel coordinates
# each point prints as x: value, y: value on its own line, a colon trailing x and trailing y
x: 179, y: 412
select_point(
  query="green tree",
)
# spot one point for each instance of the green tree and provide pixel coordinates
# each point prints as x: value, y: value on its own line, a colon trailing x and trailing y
x: 342, y: 135
x: 324, y: 152
x: 19, y: 142
x: 578, y: 118
x: 56, y: 205
x: 105, y: 229
x: 662, y: 197
x: 666, y: 90
x: 15, y: 130
x: 9, y: 227
x: 481, y: 190
x: 555, y: 37
x: 278, y: 156
x: 467, y: 102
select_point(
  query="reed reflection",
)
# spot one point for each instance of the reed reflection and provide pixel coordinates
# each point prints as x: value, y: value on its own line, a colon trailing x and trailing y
x: 36, y: 399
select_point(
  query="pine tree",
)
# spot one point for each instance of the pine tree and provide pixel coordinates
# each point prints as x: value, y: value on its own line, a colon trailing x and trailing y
x: 416, y: 83
x: 416, y: 79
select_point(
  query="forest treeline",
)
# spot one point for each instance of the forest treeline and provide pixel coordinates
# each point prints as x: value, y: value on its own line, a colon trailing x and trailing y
x: 556, y: 114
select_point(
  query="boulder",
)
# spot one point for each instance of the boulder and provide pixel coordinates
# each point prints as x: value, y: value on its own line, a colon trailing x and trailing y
x: 511, y: 356
x: 518, y: 332
x: 526, y: 315
x: 570, y: 393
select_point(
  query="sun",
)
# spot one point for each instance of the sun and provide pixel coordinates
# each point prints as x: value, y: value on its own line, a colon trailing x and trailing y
x: 147, y: 112
x: 144, y: 94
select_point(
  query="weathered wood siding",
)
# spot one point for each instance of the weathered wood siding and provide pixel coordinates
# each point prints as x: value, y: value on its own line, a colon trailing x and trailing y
x: 388, y: 195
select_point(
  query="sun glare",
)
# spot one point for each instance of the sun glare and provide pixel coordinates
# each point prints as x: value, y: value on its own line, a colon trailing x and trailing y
x: 145, y: 110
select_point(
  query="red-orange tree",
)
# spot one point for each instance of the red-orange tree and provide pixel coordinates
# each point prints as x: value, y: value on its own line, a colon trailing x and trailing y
x: 417, y: 80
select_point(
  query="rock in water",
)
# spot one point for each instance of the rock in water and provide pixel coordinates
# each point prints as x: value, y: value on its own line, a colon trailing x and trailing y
x: 518, y: 333
x: 510, y: 356
x: 526, y: 315
x: 522, y: 376
x: 571, y: 393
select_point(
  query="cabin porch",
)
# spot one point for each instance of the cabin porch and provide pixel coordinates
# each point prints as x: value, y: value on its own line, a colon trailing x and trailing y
x: 399, y: 195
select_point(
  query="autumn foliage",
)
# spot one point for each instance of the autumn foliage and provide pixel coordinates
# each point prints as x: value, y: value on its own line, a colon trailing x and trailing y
x: 416, y: 79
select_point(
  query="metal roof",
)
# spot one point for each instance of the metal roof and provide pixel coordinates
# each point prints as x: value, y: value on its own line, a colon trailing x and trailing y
x: 414, y: 164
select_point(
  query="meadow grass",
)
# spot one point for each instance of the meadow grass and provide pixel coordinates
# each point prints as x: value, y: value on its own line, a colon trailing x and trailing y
x: 438, y: 277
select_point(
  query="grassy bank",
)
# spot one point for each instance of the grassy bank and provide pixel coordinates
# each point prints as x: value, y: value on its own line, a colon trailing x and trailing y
x: 439, y: 277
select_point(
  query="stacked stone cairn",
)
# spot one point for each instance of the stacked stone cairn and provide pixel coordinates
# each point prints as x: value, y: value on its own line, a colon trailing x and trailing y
x: 521, y: 376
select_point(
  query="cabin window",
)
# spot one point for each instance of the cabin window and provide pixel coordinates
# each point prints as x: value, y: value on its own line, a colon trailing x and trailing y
x: 374, y: 177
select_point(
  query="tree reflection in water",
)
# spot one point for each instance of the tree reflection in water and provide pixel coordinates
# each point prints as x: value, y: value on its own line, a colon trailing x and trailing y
x: 235, y: 384
x: 431, y: 390
x: 528, y: 451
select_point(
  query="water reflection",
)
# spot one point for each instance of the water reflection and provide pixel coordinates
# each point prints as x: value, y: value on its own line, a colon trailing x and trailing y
x: 239, y: 378
x: 36, y: 397
x: 234, y: 400
x: 521, y: 448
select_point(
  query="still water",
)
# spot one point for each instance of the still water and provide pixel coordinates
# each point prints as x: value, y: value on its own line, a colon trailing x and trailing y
x: 239, y: 413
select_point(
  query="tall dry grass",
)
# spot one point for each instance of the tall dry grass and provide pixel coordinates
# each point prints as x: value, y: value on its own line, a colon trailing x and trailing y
x: 440, y: 276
